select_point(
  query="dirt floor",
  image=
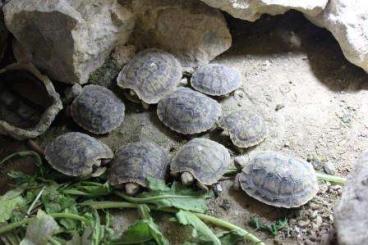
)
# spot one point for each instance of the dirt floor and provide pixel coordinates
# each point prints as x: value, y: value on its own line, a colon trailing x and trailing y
x: 316, y: 106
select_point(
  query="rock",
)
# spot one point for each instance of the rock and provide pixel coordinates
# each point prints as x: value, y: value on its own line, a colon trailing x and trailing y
x: 3, y: 36
x: 189, y: 29
x: 351, y: 216
x: 347, y: 21
x: 329, y: 168
x: 251, y: 10
x: 29, y: 102
x: 68, y: 39
x: 122, y: 54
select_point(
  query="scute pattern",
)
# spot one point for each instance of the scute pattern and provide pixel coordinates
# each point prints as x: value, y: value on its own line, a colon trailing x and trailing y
x: 188, y: 112
x: 152, y: 74
x: 137, y: 161
x: 246, y: 128
x: 98, y: 110
x: 279, y: 180
x: 216, y: 80
x: 75, y: 154
x: 205, y: 159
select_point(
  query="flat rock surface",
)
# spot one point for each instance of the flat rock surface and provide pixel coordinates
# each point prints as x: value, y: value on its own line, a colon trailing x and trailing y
x: 315, y: 104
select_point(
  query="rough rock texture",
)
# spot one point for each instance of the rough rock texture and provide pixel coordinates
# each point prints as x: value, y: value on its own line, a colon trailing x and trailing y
x: 351, y: 217
x: 347, y: 21
x: 187, y: 28
x: 52, y: 100
x: 3, y: 35
x: 68, y: 39
x: 251, y: 10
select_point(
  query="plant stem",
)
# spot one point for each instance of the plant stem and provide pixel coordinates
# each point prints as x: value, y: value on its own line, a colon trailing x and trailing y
x: 204, y: 217
x: 331, y: 178
x: 15, y: 225
x: 224, y: 224
x: 148, y: 199
x: 35, y: 201
x: 69, y: 216
x: 12, y: 226
x: 23, y: 154
x: 109, y: 204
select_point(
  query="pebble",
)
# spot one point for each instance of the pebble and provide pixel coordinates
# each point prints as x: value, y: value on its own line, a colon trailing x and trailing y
x: 303, y: 223
x: 319, y: 221
x: 329, y: 168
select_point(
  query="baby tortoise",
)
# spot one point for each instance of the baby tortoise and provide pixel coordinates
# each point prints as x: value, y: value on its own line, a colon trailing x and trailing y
x: 245, y: 127
x: 79, y: 155
x: 216, y: 80
x: 28, y: 102
x: 201, y: 160
x: 135, y: 162
x: 188, y: 112
x: 97, y: 109
x: 277, y: 179
x: 151, y: 75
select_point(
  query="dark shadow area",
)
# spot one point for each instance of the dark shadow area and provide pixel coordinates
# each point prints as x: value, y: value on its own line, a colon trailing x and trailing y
x: 292, y: 32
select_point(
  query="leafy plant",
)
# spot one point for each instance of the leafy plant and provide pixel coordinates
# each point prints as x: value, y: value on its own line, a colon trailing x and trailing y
x: 273, y: 228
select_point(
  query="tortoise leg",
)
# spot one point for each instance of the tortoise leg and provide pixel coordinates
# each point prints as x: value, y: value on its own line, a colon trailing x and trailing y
x: 201, y: 186
x: 186, y: 178
x: 131, y: 188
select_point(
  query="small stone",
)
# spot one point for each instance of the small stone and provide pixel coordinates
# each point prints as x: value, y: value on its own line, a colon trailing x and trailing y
x: 319, y: 221
x: 226, y: 204
x: 329, y: 168
x: 303, y: 223
x: 279, y: 107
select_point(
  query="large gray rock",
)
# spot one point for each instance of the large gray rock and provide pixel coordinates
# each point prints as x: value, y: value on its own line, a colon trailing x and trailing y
x: 251, y: 10
x: 351, y: 216
x: 348, y: 23
x: 346, y: 20
x: 68, y: 39
x: 3, y: 36
x: 191, y: 30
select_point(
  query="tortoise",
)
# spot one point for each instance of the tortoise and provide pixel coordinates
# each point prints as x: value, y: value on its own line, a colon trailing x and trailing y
x: 78, y: 155
x: 245, y: 127
x: 216, y: 80
x: 135, y: 162
x: 150, y: 75
x: 277, y: 179
x: 97, y: 109
x: 202, y: 161
x: 188, y: 112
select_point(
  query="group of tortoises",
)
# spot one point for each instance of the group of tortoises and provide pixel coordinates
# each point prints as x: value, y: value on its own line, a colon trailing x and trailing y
x: 154, y: 77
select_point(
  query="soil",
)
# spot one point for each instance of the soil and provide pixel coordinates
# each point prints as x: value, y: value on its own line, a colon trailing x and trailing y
x: 315, y: 103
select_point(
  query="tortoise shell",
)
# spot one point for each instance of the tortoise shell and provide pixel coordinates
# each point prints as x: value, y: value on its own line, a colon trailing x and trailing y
x: 216, y: 80
x: 151, y: 74
x: 188, y: 112
x: 76, y: 154
x: 246, y: 128
x: 137, y: 161
x: 205, y: 159
x: 97, y: 110
x: 278, y: 180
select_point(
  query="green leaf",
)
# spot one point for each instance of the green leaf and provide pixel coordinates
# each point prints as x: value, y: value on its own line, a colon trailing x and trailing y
x: 177, y: 196
x: 40, y: 229
x: 273, y: 229
x: 9, y: 202
x: 143, y: 231
x: 200, y: 230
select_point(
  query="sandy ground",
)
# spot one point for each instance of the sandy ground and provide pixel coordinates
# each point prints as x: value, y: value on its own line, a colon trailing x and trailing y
x: 315, y: 104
